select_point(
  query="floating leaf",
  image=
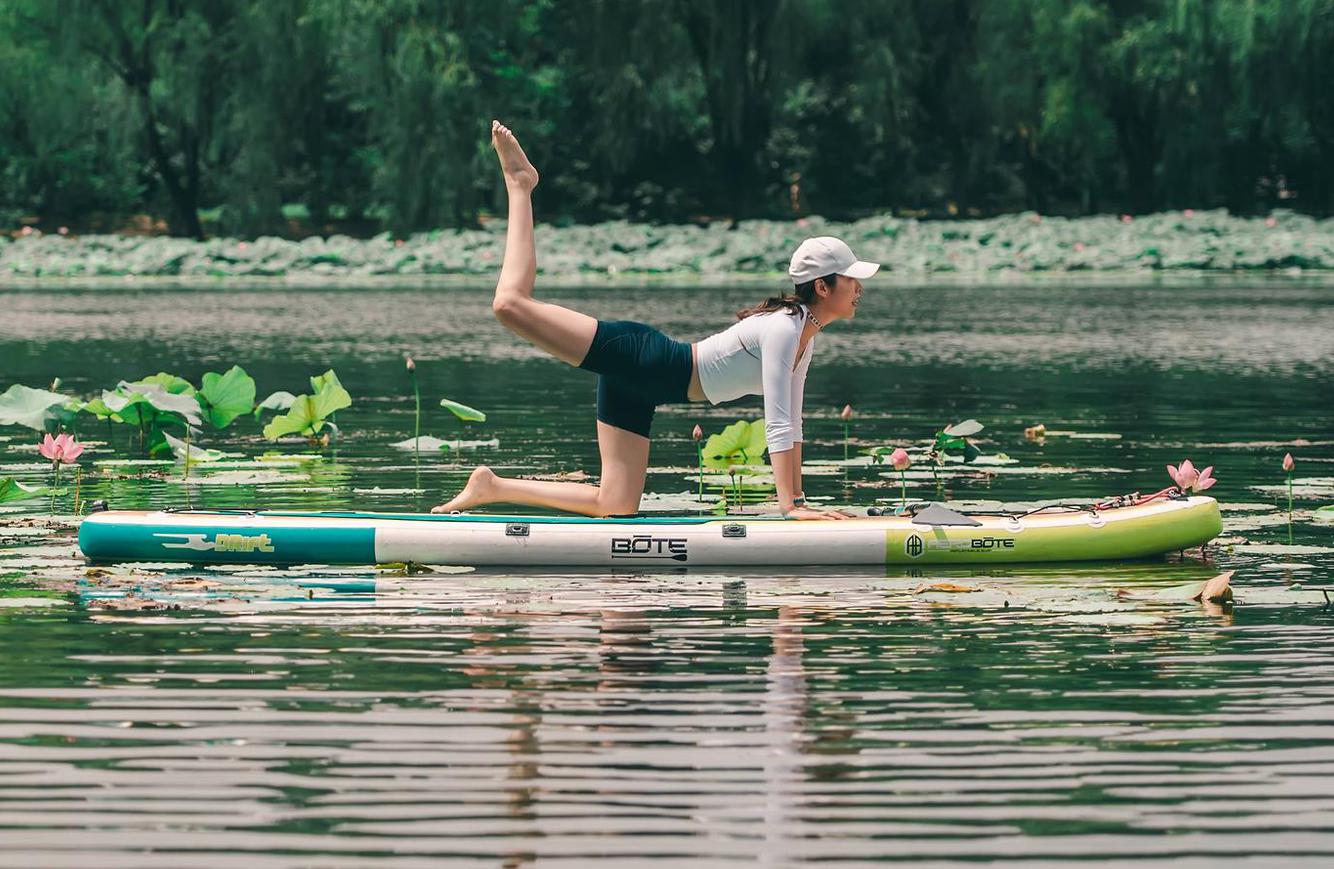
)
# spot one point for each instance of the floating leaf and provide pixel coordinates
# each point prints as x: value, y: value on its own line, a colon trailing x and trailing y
x: 967, y: 428
x: 181, y: 404
x: 303, y: 418
x: 224, y: 397
x: 169, y: 382
x: 12, y: 490
x: 179, y: 447
x: 741, y: 443
x: 276, y: 401
x: 462, y: 411
x: 25, y: 406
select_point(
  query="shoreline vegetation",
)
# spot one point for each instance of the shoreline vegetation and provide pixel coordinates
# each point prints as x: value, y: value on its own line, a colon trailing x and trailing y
x: 1022, y: 244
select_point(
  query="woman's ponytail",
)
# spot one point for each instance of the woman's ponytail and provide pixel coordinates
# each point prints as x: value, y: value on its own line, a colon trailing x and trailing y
x: 802, y: 294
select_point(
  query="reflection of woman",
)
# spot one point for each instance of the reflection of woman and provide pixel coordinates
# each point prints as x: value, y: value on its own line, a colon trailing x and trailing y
x: 768, y: 352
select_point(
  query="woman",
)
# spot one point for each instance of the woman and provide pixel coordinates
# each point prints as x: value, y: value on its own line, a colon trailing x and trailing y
x: 768, y: 352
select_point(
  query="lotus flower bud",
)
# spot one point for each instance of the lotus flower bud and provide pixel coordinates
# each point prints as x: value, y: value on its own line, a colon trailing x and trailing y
x: 696, y: 434
x: 846, y: 413
x: 412, y: 366
x: 1288, y: 463
x: 899, y: 459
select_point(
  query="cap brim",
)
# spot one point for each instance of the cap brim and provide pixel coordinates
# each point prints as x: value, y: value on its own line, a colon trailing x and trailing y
x: 860, y: 270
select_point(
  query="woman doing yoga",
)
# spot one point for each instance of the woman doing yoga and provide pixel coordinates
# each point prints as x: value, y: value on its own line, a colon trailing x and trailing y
x: 767, y: 352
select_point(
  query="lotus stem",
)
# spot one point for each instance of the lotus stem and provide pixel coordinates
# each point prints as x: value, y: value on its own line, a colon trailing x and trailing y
x: 845, y: 440
x: 1289, y: 509
x: 78, y: 479
x: 417, y: 418
x: 699, y: 460
x: 55, y: 487
x: 187, y: 453
x: 903, y: 492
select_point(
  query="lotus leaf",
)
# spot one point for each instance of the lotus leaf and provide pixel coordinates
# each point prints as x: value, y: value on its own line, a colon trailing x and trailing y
x: 12, y: 490
x: 224, y: 397
x: 25, y: 406
x: 462, y: 411
x: 303, y: 418
x: 275, y: 401
x: 741, y: 443
x: 179, y: 448
x: 181, y: 404
x: 170, y: 383
x: 967, y: 428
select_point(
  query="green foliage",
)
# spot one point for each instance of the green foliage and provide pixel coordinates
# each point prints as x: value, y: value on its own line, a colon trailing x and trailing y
x: 741, y: 443
x: 224, y: 397
x: 376, y: 113
x: 309, y: 414
x: 34, y: 408
x: 13, y: 490
x: 462, y: 411
x: 954, y: 439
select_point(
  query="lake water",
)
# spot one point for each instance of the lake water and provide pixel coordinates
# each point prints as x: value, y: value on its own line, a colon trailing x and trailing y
x: 167, y: 716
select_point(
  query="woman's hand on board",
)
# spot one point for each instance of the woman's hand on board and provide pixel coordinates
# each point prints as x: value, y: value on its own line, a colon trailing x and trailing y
x: 815, y: 513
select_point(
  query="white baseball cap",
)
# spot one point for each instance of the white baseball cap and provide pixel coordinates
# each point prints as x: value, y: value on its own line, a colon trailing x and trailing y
x: 824, y: 256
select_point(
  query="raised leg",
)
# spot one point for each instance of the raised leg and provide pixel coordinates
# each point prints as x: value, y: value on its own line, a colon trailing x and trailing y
x: 563, y: 333
x: 624, y: 467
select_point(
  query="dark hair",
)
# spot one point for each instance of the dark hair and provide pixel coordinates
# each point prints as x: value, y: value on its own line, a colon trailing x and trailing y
x: 802, y: 294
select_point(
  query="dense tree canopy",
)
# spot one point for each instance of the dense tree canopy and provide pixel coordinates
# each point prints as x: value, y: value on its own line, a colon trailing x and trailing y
x: 242, y: 115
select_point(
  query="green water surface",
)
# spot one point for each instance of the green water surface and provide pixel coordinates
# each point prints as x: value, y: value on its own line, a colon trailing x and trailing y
x: 165, y: 716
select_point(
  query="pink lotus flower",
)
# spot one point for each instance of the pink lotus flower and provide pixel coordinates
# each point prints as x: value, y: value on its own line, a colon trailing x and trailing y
x: 846, y: 413
x: 899, y: 460
x: 1190, y: 480
x: 61, y: 449
x: 696, y: 433
x: 1288, y: 463
x: 1189, y: 212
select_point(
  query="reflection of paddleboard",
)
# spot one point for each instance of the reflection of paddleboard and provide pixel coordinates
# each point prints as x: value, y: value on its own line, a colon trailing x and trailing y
x: 933, y: 535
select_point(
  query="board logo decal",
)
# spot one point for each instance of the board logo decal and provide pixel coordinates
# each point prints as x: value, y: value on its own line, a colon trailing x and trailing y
x: 220, y: 542
x: 913, y: 546
x: 643, y: 546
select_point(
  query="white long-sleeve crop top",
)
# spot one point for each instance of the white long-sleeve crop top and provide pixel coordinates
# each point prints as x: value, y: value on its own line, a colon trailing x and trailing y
x: 758, y: 356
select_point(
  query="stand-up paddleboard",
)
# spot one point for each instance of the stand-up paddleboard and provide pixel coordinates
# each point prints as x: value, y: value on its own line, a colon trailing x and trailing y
x: 932, y: 535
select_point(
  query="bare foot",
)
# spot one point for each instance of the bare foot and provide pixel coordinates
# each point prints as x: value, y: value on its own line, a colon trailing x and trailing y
x: 519, y: 172
x: 477, y: 491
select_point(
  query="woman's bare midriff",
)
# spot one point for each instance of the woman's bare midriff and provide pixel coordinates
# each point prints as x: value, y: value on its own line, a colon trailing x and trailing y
x: 696, y: 390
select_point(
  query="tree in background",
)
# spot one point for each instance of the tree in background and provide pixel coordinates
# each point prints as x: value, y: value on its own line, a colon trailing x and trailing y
x: 238, y: 115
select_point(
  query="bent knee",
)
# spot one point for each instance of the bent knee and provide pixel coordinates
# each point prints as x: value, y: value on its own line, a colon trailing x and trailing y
x: 618, y: 505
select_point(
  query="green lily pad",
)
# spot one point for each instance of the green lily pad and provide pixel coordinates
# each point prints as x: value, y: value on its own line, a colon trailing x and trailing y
x: 275, y: 402
x: 462, y: 411
x: 224, y: 397
x: 25, y: 406
x: 12, y: 490
x: 741, y: 443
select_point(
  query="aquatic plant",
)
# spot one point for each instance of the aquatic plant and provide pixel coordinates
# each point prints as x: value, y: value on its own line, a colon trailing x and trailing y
x: 309, y: 415
x: 954, y: 438
x: 153, y: 405
x: 224, y: 397
x: 900, y: 462
x: 37, y: 409
x: 462, y: 411
x: 417, y: 415
x: 846, y: 416
x: 12, y: 490
x: 1289, y: 465
x: 60, y: 450
x: 1189, y: 480
x: 696, y: 435
x: 741, y: 443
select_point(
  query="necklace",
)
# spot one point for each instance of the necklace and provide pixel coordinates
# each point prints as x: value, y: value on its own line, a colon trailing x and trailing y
x: 814, y: 319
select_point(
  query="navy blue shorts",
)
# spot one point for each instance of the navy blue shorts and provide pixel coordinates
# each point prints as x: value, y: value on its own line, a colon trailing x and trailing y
x: 638, y: 369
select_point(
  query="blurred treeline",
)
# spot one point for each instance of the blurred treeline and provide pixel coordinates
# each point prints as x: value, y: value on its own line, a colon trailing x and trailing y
x: 374, y: 113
